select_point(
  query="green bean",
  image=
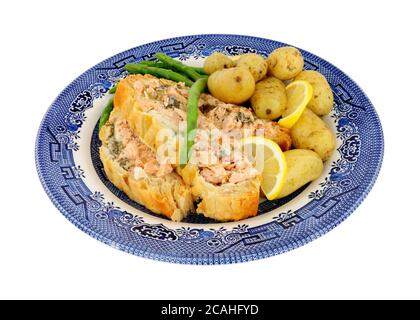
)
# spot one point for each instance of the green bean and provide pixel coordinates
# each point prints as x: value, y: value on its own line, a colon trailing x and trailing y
x: 199, y: 70
x: 106, y: 112
x: 163, y: 65
x: 192, y: 117
x: 113, y: 89
x: 149, y: 63
x: 178, y: 66
x: 158, y: 72
x: 202, y: 76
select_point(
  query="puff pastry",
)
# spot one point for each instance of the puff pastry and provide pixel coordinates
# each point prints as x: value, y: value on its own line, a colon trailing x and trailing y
x: 162, y: 192
x: 225, y: 192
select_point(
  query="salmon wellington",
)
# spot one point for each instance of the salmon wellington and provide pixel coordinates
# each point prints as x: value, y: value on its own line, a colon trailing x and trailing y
x: 146, y: 127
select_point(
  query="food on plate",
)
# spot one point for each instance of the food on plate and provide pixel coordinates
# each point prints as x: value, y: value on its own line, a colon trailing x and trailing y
x: 229, y: 117
x: 322, y: 100
x: 106, y: 112
x: 192, y: 119
x: 217, y: 61
x: 312, y: 133
x: 163, y: 65
x: 224, y: 192
x: 176, y: 149
x: 150, y: 106
x: 303, y: 166
x: 133, y: 167
x: 269, y: 99
x: 233, y: 85
x: 299, y: 93
x: 178, y: 66
x: 270, y: 161
x: 158, y: 72
x: 285, y: 63
x: 225, y: 186
x: 255, y: 63
x: 279, y: 135
x: 113, y: 88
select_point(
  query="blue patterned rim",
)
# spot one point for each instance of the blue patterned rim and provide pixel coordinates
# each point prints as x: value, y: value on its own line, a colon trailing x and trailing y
x: 280, y: 226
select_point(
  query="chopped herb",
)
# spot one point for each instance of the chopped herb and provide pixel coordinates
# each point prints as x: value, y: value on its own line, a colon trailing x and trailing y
x: 207, y: 108
x: 172, y: 102
x: 241, y: 117
x: 124, y: 163
x: 115, y: 147
x: 224, y: 153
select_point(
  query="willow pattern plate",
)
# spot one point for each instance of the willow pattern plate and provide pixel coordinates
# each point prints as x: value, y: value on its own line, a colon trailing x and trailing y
x: 70, y: 170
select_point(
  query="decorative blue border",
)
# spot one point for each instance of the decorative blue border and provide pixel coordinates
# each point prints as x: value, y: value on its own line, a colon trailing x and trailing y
x: 350, y: 179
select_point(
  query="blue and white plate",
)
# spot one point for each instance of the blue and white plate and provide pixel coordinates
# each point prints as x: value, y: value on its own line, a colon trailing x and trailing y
x: 72, y: 174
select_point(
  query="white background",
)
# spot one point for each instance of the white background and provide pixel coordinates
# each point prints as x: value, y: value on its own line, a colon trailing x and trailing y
x: 373, y: 254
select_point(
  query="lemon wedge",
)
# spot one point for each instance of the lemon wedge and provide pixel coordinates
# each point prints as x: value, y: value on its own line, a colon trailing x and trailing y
x: 268, y: 159
x: 299, y: 93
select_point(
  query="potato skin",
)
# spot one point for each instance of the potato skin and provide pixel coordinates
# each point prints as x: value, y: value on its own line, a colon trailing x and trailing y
x: 217, y: 61
x: 269, y: 99
x: 303, y: 166
x: 312, y: 133
x: 322, y: 99
x: 285, y: 63
x: 255, y: 64
x: 233, y: 85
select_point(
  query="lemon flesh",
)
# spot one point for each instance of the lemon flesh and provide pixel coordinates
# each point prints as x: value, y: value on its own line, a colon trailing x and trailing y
x: 268, y: 159
x: 299, y: 93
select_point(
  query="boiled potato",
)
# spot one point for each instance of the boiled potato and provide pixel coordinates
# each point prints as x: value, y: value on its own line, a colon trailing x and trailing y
x: 285, y: 63
x: 322, y: 99
x: 237, y: 57
x: 311, y: 132
x: 269, y: 99
x: 234, y: 85
x: 255, y: 64
x: 217, y: 61
x: 303, y: 166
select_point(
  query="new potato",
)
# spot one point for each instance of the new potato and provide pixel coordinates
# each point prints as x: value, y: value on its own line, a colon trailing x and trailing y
x: 217, y: 61
x: 233, y: 85
x: 285, y: 63
x: 269, y: 99
x: 322, y: 99
x: 255, y: 64
x: 312, y: 133
x: 303, y: 166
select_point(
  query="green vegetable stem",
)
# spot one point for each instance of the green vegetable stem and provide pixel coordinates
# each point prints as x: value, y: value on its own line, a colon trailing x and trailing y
x: 166, y: 66
x: 178, y: 66
x: 107, y: 111
x: 158, y: 72
x: 192, y: 117
x: 113, y: 89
